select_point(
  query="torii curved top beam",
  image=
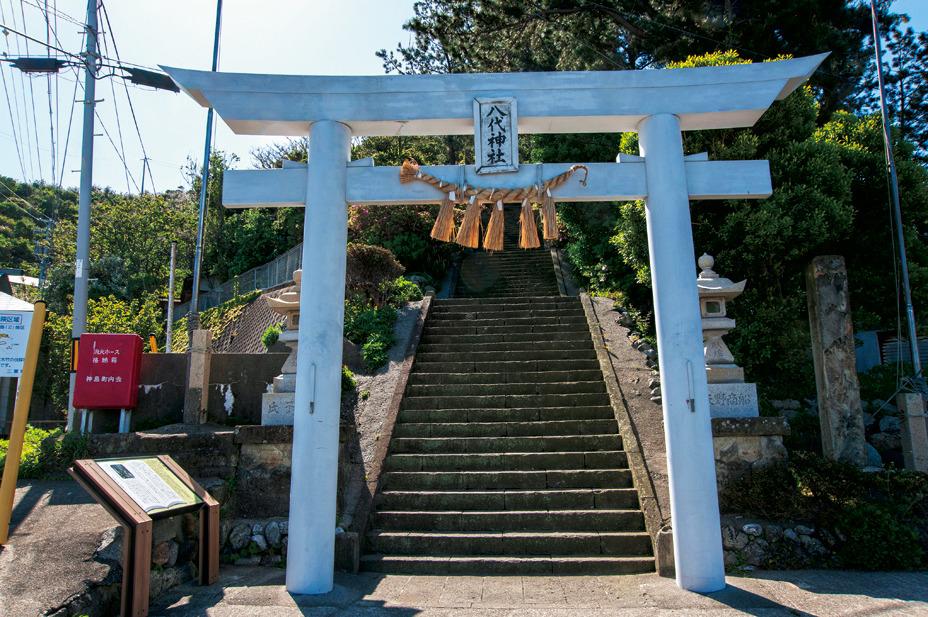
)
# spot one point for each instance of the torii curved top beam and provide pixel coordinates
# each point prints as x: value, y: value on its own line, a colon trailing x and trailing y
x: 555, y: 102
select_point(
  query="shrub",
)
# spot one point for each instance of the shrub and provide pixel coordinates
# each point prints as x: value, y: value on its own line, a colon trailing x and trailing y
x: 369, y: 268
x: 375, y: 350
x: 271, y: 335
x: 46, y: 452
x: 881, y: 519
x: 348, y: 380
x: 400, y: 290
x: 404, y: 231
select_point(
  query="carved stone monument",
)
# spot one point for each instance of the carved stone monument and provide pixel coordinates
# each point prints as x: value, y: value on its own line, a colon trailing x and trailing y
x: 277, y: 405
x: 729, y: 395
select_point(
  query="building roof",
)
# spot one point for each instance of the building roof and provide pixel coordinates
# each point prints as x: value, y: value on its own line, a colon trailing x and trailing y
x: 9, y: 303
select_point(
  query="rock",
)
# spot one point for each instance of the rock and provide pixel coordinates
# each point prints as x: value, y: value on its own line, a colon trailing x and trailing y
x: 873, y: 457
x: 656, y: 399
x: 284, y: 527
x: 650, y: 353
x: 239, y: 536
x: 869, y: 420
x: 161, y: 553
x: 254, y: 560
x: 654, y: 383
x: 790, y: 535
x: 813, y: 546
x: 272, y: 533
x: 110, y: 548
x: 753, y: 529
x: 731, y: 559
x: 656, y: 391
x: 890, y: 424
x: 257, y: 529
x: 271, y: 560
x: 755, y: 553
x: 173, y: 551
x: 773, y: 533
x: 802, y: 530
x: 733, y: 540
x: 225, y: 526
x: 259, y: 541
x: 885, y: 442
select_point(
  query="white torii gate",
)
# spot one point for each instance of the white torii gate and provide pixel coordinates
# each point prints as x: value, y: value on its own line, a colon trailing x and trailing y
x: 658, y: 104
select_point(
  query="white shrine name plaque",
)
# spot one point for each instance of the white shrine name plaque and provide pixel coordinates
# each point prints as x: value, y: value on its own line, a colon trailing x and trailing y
x: 496, y: 135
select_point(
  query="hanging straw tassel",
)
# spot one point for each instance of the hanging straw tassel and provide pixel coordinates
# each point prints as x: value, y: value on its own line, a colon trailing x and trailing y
x: 493, y: 241
x: 549, y: 217
x: 409, y: 171
x: 443, y: 229
x: 469, y: 232
x: 528, y: 236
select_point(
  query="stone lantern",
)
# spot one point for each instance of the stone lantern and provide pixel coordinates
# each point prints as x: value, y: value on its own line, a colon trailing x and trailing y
x: 729, y: 395
x: 278, y: 404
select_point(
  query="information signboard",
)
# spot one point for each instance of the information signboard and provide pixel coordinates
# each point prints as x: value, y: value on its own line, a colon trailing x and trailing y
x: 108, y: 371
x: 14, y: 333
x: 136, y: 490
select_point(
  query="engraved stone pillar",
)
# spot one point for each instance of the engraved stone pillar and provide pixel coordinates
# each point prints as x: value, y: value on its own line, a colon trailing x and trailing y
x: 277, y: 405
x: 196, y: 398
x: 832, y: 333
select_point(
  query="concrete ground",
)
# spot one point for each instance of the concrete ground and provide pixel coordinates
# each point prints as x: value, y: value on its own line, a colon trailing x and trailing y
x: 49, y: 558
x: 259, y: 592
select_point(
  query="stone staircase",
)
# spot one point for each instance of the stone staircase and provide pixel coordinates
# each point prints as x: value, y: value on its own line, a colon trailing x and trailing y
x: 505, y: 457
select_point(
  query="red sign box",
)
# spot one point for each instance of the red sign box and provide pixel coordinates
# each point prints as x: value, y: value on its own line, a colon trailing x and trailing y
x: 108, y: 371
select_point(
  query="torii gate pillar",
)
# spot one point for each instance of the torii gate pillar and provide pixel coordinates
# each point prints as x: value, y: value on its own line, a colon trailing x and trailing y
x: 687, y: 424
x: 313, y: 485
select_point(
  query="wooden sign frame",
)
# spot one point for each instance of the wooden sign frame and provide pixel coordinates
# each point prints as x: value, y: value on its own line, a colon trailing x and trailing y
x: 137, y: 525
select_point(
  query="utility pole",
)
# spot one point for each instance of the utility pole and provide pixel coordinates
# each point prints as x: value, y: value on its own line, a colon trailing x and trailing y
x: 917, y: 377
x: 170, y: 324
x: 193, y: 319
x: 82, y: 261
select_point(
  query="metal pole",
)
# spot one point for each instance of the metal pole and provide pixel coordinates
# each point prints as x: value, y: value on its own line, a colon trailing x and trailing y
x: 170, y: 324
x: 20, y: 416
x: 918, y: 378
x: 82, y: 261
x: 193, y: 319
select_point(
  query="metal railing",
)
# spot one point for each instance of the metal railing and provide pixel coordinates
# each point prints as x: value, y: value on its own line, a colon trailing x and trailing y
x: 274, y: 273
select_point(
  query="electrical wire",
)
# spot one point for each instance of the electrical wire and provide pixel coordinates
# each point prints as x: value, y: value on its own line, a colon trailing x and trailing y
x: 122, y: 147
x: 9, y: 108
x: 48, y: 84
x: 35, y: 122
x: 20, y: 115
x: 135, y: 122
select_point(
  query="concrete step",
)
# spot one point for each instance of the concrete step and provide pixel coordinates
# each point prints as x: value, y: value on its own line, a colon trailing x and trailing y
x: 587, y: 543
x: 503, y: 429
x: 427, y: 346
x: 508, y: 461
x: 518, y: 337
x: 567, y: 499
x: 500, y: 414
x: 489, y: 320
x: 481, y: 312
x: 507, y: 356
x: 487, y: 565
x: 504, y: 401
x: 562, y: 387
x: 537, y: 302
x: 452, y: 328
x: 504, y: 480
x: 535, y: 377
x: 502, y: 445
x: 510, y: 520
x: 506, y: 366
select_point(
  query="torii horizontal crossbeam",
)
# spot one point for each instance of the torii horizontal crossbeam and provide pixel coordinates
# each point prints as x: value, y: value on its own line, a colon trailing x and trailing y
x: 557, y: 102
x: 625, y: 181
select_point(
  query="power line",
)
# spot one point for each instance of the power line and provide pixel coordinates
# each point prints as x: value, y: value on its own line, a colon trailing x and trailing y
x: 35, y: 122
x: 109, y: 28
x: 9, y: 108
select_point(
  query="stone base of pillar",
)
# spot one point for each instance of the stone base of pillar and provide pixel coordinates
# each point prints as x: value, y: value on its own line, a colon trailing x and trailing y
x: 914, y: 431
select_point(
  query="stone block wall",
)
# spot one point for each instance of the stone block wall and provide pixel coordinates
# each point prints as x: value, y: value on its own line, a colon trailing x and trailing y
x: 744, y: 444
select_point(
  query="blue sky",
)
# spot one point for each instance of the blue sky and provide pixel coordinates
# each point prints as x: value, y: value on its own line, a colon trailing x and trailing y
x: 316, y: 37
